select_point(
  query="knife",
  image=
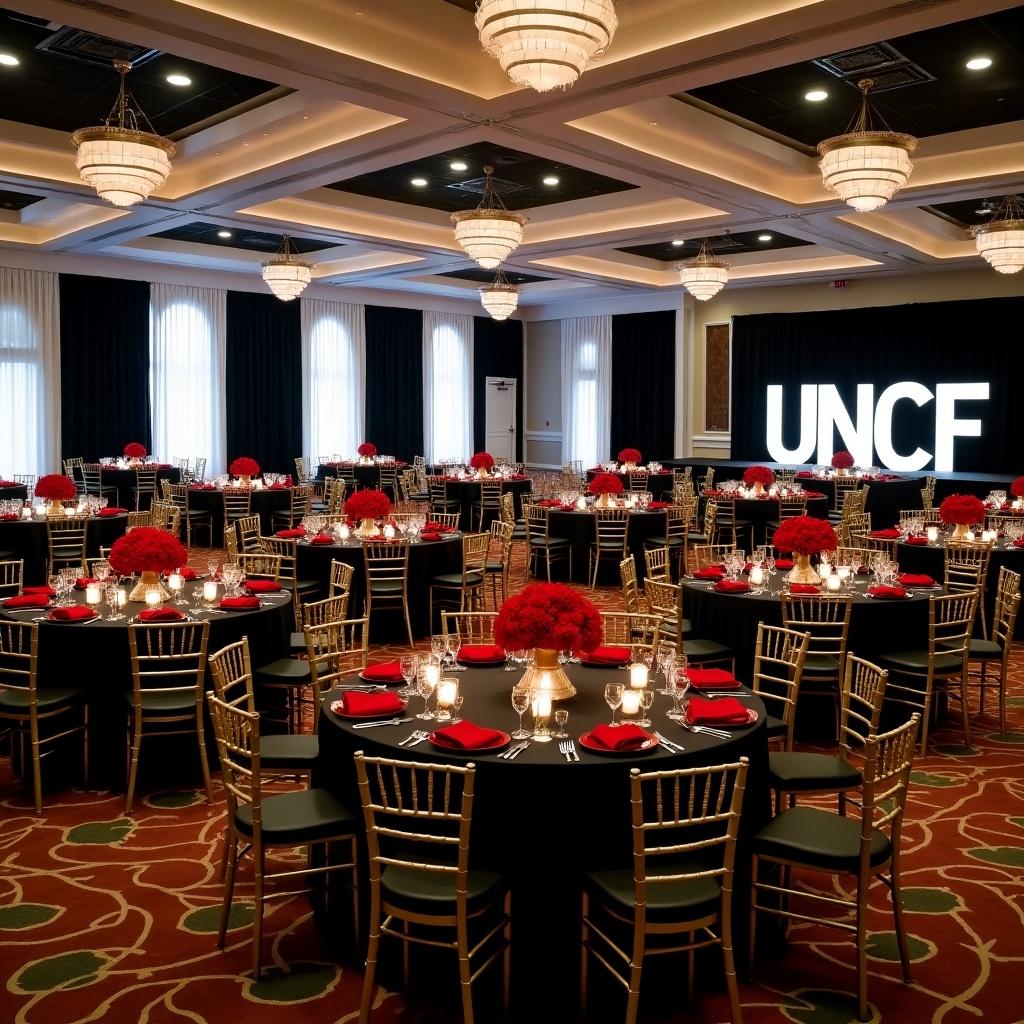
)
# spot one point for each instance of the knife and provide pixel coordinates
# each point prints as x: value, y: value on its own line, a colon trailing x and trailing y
x: 373, y: 725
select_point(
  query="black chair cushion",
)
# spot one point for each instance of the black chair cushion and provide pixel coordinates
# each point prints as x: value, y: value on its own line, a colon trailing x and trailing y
x: 386, y: 587
x: 290, y: 670
x: 917, y: 661
x: 985, y: 650
x: 48, y: 698
x: 705, y: 649
x: 805, y: 771
x: 552, y: 542
x: 821, y: 665
x: 663, y: 542
x: 688, y: 899
x: 494, y: 567
x: 431, y: 892
x: 284, y: 751
x: 454, y: 579
x: 68, y: 552
x: 307, y: 586
x: 819, y: 839
x: 158, y: 702
x: 300, y: 817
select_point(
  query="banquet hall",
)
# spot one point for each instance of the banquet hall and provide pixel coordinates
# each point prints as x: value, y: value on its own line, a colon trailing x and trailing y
x: 511, y: 510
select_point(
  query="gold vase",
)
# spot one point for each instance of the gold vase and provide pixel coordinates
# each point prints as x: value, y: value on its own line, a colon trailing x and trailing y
x: 603, y: 501
x: 758, y: 488
x: 545, y: 675
x: 245, y: 481
x: 367, y: 528
x: 55, y: 507
x: 482, y: 474
x: 149, y: 581
x: 960, y: 531
x: 802, y: 571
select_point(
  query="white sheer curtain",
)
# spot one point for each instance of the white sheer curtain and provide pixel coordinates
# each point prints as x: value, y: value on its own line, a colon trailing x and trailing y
x: 333, y: 377
x: 187, y: 345
x: 447, y: 386
x: 586, y: 389
x: 29, y: 372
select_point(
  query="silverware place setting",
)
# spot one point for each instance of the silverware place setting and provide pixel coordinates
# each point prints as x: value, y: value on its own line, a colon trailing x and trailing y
x: 416, y: 736
x: 705, y: 730
x: 568, y: 751
x: 514, y: 751
x: 670, y: 745
x: 374, y: 725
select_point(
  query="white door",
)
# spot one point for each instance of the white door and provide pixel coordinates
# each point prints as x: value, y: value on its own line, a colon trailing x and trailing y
x: 500, y: 418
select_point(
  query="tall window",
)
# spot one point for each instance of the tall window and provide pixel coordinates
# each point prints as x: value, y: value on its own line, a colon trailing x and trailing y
x: 29, y: 373
x: 586, y: 389
x: 333, y: 377
x: 187, y: 328
x: 448, y: 386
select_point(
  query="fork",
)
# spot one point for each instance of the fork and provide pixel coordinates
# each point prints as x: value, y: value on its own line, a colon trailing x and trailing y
x: 670, y: 745
x: 507, y: 755
x: 564, y: 749
x: 416, y: 736
x: 705, y: 730
x: 572, y: 750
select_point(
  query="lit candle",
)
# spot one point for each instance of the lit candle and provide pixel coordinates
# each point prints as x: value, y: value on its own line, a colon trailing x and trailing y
x: 175, y: 581
x: 581, y: 503
x: 969, y: 535
x: 824, y: 568
x: 26, y: 512
x: 121, y: 596
x: 756, y: 576
x: 542, y: 705
x: 833, y: 582
x: 343, y: 531
x: 638, y: 675
x: 988, y: 536
x: 447, y: 691
x: 152, y: 597
x: 631, y: 702
x: 843, y: 573
x: 933, y: 534
x: 389, y: 532
x: 209, y: 591
x: 40, y: 511
x: 92, y: 594
x: 432, y: 674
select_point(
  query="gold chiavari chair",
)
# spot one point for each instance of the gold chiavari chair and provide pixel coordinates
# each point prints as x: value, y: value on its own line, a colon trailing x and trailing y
x: 846, y: 555
x: 341, y: 578
x: 790, y: 506
x: 12, y: 575
x: 260, y: 565
x: 145, y: 488
x: 656, y: 565
x: 199, y: 472
x: 542, y: 543
x: 194, y: 519
x: 139, y: 519
x: 928, y: 516
x: 664, y: 599
x: 92, y: 479
x: 418, y: 829
x: 848, y: 497
x: 709, y: 478
x: 28, y: 480
x: 165, y: 516
x: 677, y: 527
x: 705, y: 556
x: 928, y: 492
x: 300, y: 505
x: 247, y: 530
x: 65, y: 539
x: 347, y: 475
x: 387, y: 481
x: 474, y: 628
x: 489, y: 503
x: 778, y: 671
x: 74, y: 470
x: 335, y: 650
x: 611, y: 539
x: 302, y: 469
x: 231, y: 545
x: 466, y: 587
x: 386, y: 567
x: 706, y: 534
x: 631, y: 629
x: 685, y: 824
x: 286, y: 549
x: 965, y: 568
x: 630, y: 588
x: 449, y: 519
x: 853, y: 524
x: 237, y: 502
x: 884, y: 544
x: 437, y: 488
x: 816, y: 839
x: 497, y: 566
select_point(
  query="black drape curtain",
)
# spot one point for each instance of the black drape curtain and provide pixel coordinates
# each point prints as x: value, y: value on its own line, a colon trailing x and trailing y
x: 643, y: 383
x: 104, y: 362
x: 497, y: 352
x: 394, y: 380
x: 928, y: 343
x: 264, y: 380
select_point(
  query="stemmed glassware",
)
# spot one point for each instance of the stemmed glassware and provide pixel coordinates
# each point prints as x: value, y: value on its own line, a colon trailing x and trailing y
x: 520, y: 702
x: 666, y: 658
x: 453, y: 646
x: 425, y: 687
x: 680, y: 685
x: 646, y: 700
x: 232, y: 576
x: 561, y: 717
x: 613, y: 698
x: 66, y: 583
x: 113, y: 593
x: 409, y: 666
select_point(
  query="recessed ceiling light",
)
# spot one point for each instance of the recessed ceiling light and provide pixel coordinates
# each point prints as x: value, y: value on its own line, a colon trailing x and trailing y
x: 677, y: 242
x: 419, y: 182
x: 459, y: 165
x: 816, y: 95
x: 979, y: 63
x: 223, y: 234
x: 9, y: 60
x: 177, y: 79
x: 764, y: 238
x: 550, y: 180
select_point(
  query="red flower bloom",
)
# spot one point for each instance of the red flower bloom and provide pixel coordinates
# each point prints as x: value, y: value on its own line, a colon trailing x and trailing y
x: 962, y: 509
x: 482, y: 460
x: 629, y: 455
x: 134, y: 450
x: 147, y: 549
x: 605, y: 483
x: 842, y: 460
x: 805, y: 535
x: 549, y: 615
x: 368, y: 504
x: 367, y: 450
x: 55, y: 487
x: 758, y: 475
x: 1017, y: 487
x: 244, y: 466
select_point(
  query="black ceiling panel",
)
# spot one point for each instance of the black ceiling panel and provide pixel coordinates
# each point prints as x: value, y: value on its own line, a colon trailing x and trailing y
x: 968, y: 212
x: 466, y: 5
x: 16, y: 200
x: 924, y: 87
x: 74, y: 86
x: 722, y: 245
x: 257, y: 241
x: 482, y: 276
x: 518, y: 179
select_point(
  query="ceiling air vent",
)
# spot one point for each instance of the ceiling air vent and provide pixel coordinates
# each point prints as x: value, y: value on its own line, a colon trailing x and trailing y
x: 501, y: 186
x: 889, y: 68
x: 90, y: 48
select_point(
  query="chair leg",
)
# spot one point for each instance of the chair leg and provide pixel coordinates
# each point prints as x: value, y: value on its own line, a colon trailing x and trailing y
x: 465, y: 974
x: 231, y: 862
x: 203, y: 763
x: 506, y: 957
x: 753, y: 915
x: 862, y: 954
x: 373, y: 943
x: 965, y: 717
x: 408, y: 624
x: 135, y: 725
x: 259, y: 862
x: 85, y: 746
x: 735, y: 1011
x: 37, y: 776
x: 584, y: 937
x: 895, y: 894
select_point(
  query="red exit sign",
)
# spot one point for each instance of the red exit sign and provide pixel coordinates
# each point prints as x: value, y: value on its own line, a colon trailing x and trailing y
x: 839, y: 284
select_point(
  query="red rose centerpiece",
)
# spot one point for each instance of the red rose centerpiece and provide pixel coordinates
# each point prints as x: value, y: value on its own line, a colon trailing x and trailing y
x: 842, y: 461
x: 630, y: 458
x: 366, y: 451
x: 482, y: 462
x: 960, y: 510
x: 245, y: 469
x: 148, y: 551
x: 758, y: 477
x: 548, y: 618
x: 1017, y: 487
x: 603, y: 486
x: 804, y: 536
x: 55, y: 488
x: 368, y: 506
x: 134, y: 452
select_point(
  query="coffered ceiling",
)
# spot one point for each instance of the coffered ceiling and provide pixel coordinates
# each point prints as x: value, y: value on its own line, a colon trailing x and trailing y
x: 338, y: 122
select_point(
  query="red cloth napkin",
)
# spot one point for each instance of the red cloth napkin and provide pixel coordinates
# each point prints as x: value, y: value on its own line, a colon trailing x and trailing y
x: 916, y: 579
x: 385, y: 672
x: 321, y: 538
x: 712, y: 679
x: 712, y: 572
x: 783, y: 563
x: 713, y: 494
x: 732, y: 586
x: 262, y: 586
x: 887, y: 592
x: 39, y: 589
x: 355, y: 703
x: 112, y: 510
x: 28, y: 601
x: 202, y: 487
x: 440, y: 528
x: 9, y: 517
x: 1019, y: 543
x: 430, y: 536
x: 805, y: 475
x: 9, y: 483
x: 85, y: 581
x: 607, y: 655
x: 466, y: 735
x: 890, y: 533
x: 813, y: 494
x: 73, y: 613
x: 299, y: 531
x: 804, y: 588
x: 188, y: 573
x: 549, y: 503
x: 654, y: 506
x: 619, y: 737
x: 722, y: 711
x: 917, y: 540
x: 161, y: 615
x: 239, y: 604
x: 475, y: 654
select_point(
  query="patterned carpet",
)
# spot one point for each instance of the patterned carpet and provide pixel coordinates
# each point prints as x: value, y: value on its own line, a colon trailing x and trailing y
x: 106, y: 918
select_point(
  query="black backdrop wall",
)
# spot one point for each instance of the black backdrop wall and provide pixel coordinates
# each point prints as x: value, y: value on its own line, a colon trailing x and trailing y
x: 394, y: 380
x: 930, y: 343
x: 497, y: 352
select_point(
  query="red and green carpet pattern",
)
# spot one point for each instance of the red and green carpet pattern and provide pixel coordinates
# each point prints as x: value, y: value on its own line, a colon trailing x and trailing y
x: 110, y: 918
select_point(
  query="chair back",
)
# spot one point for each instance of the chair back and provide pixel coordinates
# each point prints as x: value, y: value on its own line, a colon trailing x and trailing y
x: 501, y: 536
x: 631, y: 629
x: 778, y: 671
x: 704, y: 556
x: 302, y: 469
x: 231, y: 545
x: 847, y: 555
x: 19, y: 660
x: 237, y: 503
x: 285, y: 549
x: 199, y: 473
x: 138, y: 519
x: 536, y: 518
x: 507, y: 508
x: 12, y: 574
x: 966, y: 565
x: 165, y: 516
x: 145, y: 485
x: 387, y: 480
x: 238, y: 744
x: 248, y: 530
x: 710, y: 520
x: 1004, y: 616
x: 301, y: 503
x: 330, y: 609
x: 407, y: 485
x: 630, y: 587
x: 437, y: 488
x: 169, y: 657
x: 66, y: 540
x: 474, y: 555
x: 860, y: 704
x: 826, y: 617
x: 665, y: 600
x: 677, y: 521
x: 854, y: 524
x: 636, y: 481
x: 28, y: 480
x: 950, y: 619
x: 656, y: 562
x: 469, y: 627
x: 611, y: 527
x: 709, y: 478
x: 259, y: 565
x: 335, y: 650
x: 341, y: 578
x: 449, y: 519
x: 386, y: 564
x: 929, y: 516
x: 347, y: 474
x: 231, y: 675
x: 177, y: 495
x: 92, y: 476
x: 490, y: 495
x: 792, y: 505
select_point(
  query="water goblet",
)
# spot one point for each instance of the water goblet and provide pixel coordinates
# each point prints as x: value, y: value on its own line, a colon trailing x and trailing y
x: 409, y: 666
x: 680, y: 684
x: 613, y: 698
x: 197, y: 598
x: 510, y: 660
x: 561, y: 717
x: 520, y: 702
x: 453, y: 646
x: 425, y: 686
x: 646, y: 700
x: 439, y: 647
x: 457, y: 709
x: 211, y: 566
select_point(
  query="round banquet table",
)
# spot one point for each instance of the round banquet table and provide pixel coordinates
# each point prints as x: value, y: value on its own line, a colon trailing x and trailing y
x: 365, y: 476
x: 578, y: 528
x: 27, y: 539
x: 759, y: 512
x: 14, y: 492
x: 125, y: 480
x: 95, y: 656
x: 543, y: 822
x: 659, y: 484
x: 467, y: 491
x: 263, y: 503
x: 886, y: 498
x: 427, y: 558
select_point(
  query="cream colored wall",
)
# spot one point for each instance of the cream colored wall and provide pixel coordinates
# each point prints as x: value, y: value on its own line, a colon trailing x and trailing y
x: 543, y: 404
x: 876, y: 291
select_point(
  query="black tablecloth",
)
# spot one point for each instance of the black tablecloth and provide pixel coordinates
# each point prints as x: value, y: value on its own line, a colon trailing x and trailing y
x: 466, y: 492
x: 366, y: 476
x: 759, y: 512
x: 544, y: 822
x: 659, y: 484
x: 125, y: 481
x: 886, y: 498
x: 13, y: 493
x: 263, y: 503
x: 578, y: 528
x: 27, y: 539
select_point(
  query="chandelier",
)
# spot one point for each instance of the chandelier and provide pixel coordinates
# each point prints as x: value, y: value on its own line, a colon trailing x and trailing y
x: 866, y: 166
x: 1001, y: 240
x: 123, y: 158
x: 545, y: 44
x: 703, y: 276
x: 490, y: 233
x: 286, y: 274
x: 499, y: 298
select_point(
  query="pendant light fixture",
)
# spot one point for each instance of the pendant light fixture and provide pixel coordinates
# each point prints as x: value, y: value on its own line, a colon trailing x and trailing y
x: 286, y: 274
x: 866, y: 166
x: 490, y: 233
x: 123, y: 158
x: 1001, y: 240
x: 705, y: 275
x: 499, y: 298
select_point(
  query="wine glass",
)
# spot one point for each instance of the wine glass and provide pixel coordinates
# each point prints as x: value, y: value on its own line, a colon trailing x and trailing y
x: 425, y: 687
x: 439, y: 647
x: 646, y: 700
x: 197, y: 600
x: 457, y: 709
x: 510, y: 660
x: 613, y: 698
x: 561, y: 717
x: 101, y: 570
x: 520, y: 702
x: 680, y: 685
x: 409, y: 666
x: 454, y: 643
x: 211, y: 566
x: 666, y: 656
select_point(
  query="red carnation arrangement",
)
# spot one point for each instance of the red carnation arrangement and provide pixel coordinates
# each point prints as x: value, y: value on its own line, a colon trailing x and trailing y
x: 805, y: 535
x: 758, y: 475
x: 368, y: 504
x: 1017, y: 487
x: 482, y: 460
x: 629, y: 455
x: 134, y: 450
x: 56, y: 487
x: 367, y: 450
x: 244, y: 466
x: 548, y: 615
x: 605, y: 483
x: 958, y: 509
x: 842, y: 460
x: 147, y: 549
